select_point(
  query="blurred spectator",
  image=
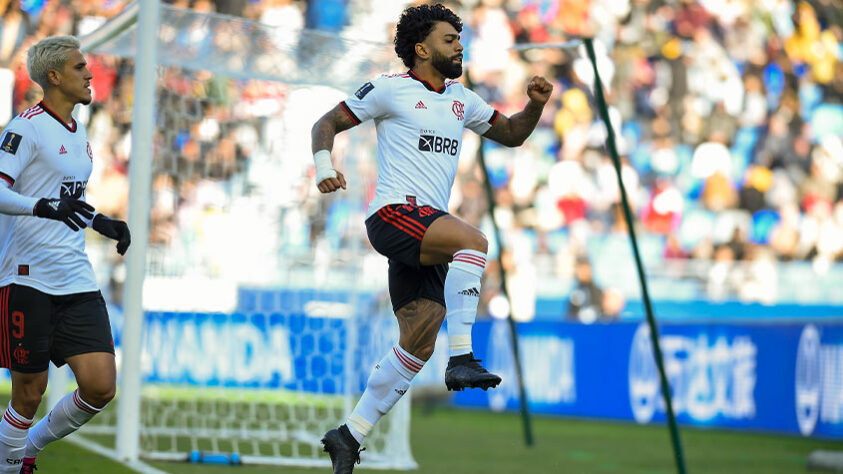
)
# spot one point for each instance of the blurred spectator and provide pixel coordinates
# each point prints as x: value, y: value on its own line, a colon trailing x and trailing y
x: 728, y: 116
x: 722, y: 278
x: 613, y: 304
x: 13, y: 34
x: 585, y: 303
x: 13, y: 30
x: 758, y: 181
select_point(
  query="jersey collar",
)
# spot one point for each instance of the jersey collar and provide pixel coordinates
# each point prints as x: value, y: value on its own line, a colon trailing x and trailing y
x: 71, y: 127
x: 426, y: 84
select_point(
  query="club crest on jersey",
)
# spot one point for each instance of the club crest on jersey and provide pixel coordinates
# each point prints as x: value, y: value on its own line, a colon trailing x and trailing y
x: 11, y: 142
x: 459, y: 109
x: 63, y: 150
x: 363, y: 90
x: 90, y: 153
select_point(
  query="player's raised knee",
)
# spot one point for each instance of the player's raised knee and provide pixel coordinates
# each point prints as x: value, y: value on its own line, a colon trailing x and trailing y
x: 476, y: 241
x: 98, y: 395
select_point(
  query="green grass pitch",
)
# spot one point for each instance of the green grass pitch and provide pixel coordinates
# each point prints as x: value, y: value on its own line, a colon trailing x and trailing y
x: 467, y: 442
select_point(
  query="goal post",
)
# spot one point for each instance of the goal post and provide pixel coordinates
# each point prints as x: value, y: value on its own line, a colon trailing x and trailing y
x: 140, y: 169
x: 253, y: 309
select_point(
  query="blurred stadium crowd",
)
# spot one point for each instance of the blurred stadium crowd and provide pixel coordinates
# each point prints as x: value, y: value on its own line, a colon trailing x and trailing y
x: 729, y: 115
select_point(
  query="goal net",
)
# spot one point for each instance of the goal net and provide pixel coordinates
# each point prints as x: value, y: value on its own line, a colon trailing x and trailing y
x: 264, y: 305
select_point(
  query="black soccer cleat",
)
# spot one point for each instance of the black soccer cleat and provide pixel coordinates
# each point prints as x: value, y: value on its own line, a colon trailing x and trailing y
x: 343, y: 449
x: 464, y: 371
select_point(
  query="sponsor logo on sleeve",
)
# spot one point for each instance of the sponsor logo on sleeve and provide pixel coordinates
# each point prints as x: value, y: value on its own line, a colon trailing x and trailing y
x: 10, y: 142
x: 363, y: 90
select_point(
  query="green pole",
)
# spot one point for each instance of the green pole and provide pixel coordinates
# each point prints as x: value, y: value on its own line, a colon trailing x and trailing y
x: 513, y: 330
x: 645, y: 295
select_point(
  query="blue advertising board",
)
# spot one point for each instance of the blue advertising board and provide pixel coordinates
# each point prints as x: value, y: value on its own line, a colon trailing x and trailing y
x: 782, y: 378
x: 785, y: 378
x: 272, y: 350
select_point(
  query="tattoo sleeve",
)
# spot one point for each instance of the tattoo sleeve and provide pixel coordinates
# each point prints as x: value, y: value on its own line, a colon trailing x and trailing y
x: 512, y: 131
x: 325, y: 129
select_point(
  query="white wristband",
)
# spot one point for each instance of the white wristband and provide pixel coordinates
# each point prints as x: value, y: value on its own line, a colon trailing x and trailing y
x: 324, y: 167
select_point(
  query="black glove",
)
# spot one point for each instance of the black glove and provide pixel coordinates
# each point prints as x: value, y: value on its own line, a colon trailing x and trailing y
x: 66, y: 210
x: 113, y: 229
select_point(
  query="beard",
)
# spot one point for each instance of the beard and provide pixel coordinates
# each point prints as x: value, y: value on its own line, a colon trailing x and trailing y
x: 446, y: 66
x: 85, y: 97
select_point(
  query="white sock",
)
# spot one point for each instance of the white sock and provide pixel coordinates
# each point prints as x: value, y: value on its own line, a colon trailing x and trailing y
x: 67, y: 416
x: 388, y: 382
x: 462, y: 293
x: 13, y: 431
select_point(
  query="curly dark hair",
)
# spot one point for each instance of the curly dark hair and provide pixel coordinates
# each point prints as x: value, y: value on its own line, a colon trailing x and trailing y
x: 414, y: 26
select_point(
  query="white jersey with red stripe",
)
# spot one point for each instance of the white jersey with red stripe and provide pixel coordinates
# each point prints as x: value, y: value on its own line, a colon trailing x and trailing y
x: 420, y: 133
x: 42, y: 156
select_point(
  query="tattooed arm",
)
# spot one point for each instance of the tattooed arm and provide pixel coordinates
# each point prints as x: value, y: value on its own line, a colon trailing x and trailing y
x: 322, y: 135
x: 330, y: 124
x: 512, y: 131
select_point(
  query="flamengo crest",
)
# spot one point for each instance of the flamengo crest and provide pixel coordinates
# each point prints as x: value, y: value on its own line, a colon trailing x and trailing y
x: 459, y: 109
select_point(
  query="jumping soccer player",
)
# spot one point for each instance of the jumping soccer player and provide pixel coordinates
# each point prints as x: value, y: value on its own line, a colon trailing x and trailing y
x: 50, y: 305
x: 420, y: 116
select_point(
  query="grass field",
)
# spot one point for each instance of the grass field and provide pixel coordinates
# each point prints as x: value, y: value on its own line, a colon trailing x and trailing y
x: 449, y: 441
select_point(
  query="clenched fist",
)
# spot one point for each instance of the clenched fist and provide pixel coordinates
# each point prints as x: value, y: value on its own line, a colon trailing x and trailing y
x: 330, y: 184
x: 539, y: 89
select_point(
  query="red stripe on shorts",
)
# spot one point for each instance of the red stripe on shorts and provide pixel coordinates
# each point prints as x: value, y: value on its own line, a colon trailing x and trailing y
x: 406, y: 220
x: 411, y: 232
x: 8, y: 345
x: 4, y: 327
